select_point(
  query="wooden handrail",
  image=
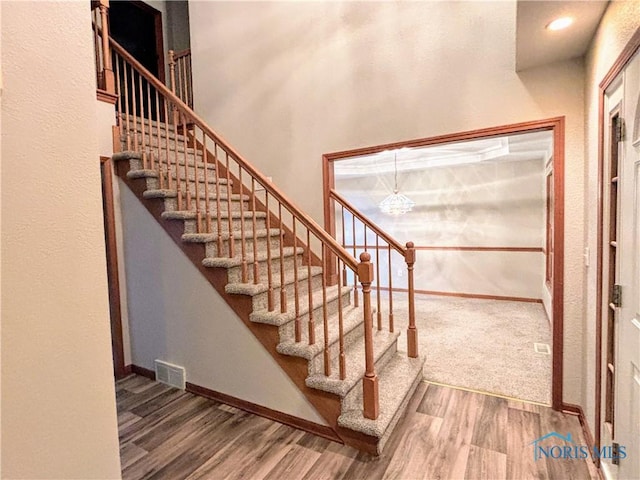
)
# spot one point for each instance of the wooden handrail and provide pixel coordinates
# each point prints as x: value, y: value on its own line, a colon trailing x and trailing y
x: 311, y: 224
x: 183, y: 53
x: 366, y: 221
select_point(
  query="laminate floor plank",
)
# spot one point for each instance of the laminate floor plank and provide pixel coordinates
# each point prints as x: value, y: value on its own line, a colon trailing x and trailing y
x: 227, y: 447
x: 523, y: 429
x: 131, y: 401
x: 127, y: 418
x: 446, y: 434
x: 180, y: 409
x: 417, y: 447
x: 184, y: 417
x: 333, y: 463
x: 551, y: 421
x: 188, y: 437
x: 435, y: 400
x: 157, y: 402
x: 449, y: 460
x: 131, y: 453
x: 295, y: 463
x: 491, y: 425
x: 485, y: 464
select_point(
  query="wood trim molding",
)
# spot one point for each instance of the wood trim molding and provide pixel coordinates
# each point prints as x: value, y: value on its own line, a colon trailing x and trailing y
x: 464, y: 295
x: 577, y: 410
x: 266, y: 412
x: 115, y: 312
x: 618, y: 65
x: 143, y: 372
x: 456, y: 248
x: 106, y: 97
x: 555, y: 125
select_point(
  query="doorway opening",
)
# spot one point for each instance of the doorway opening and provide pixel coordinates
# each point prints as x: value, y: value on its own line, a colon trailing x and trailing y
x: 488, y: 229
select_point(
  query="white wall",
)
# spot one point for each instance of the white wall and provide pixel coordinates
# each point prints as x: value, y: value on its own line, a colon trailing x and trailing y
x: 177, y: 316
x: 485, y: 204
x: 330, y: 76
x: 619, y: 23
x: 58, y: 399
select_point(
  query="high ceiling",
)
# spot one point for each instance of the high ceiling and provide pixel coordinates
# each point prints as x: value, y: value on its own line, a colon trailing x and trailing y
x: 535, y: 45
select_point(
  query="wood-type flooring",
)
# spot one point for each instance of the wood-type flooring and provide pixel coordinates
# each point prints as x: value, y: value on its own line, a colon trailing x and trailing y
x: 447, y: 434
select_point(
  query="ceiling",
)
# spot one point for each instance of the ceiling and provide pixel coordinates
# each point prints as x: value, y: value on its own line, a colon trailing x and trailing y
x: 521, y: 147
x: 535, y: 45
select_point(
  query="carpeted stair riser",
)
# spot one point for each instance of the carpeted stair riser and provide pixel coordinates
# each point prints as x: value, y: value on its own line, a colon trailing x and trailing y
x: 190, y: 226
x: 382, y: 341
x: 279, y: 319
x: 260, y: 300
x: 398, y: 380
x: 171, y: 204
x: 286, y: 331
x: 212, y: 247
x: 399, y: 412
x: 234, y: 274
x: 352, y: 330
x: 353, y: 399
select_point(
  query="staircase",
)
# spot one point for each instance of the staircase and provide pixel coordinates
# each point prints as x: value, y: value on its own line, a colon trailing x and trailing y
x: 269, y: 261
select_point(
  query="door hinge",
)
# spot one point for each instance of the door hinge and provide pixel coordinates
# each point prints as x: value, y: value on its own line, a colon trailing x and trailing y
x: 615, y: 453
x: 616, y: 296
x: 619, y: 129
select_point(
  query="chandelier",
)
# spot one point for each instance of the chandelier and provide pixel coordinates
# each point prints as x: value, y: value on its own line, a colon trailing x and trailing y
x: 396, y: 203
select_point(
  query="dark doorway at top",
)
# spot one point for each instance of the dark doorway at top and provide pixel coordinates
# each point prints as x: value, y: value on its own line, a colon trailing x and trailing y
x: 138, y: 28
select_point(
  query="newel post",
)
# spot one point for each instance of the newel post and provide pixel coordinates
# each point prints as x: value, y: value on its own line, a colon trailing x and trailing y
x: 412, y: 331
x: 371, y: 401
x: 172, y: 71
x: 107, y: 69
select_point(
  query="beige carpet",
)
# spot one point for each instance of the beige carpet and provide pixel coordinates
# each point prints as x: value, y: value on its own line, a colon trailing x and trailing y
x: 485, y: 345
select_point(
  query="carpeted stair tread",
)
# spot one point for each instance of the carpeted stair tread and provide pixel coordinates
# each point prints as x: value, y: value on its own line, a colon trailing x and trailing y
x: 213, y: 237
x: 277, y: 318
x: 192, y: 214
x: 166, y: 193
x: 355, y: 355
x: 395, y: 381
x: 351, y: 319
x: 126, y: 155
x: 252, y: 289
x: 226, y: 262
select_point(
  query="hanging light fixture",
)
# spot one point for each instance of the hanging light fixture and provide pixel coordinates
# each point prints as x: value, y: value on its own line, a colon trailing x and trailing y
x: 396, y: 203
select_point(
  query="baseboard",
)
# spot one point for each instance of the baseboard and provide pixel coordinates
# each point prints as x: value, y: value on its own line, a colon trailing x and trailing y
x: 128, y: 370
x: 572, y: 409
x: 280, y: 417
x: 266, y: 412
x: 143, y: 372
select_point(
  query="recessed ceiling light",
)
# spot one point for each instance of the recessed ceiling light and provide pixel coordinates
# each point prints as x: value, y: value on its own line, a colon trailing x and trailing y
x: 560, y: 23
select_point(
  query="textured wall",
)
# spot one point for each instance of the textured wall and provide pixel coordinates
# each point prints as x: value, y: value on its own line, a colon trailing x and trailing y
x: 58, y: 400
x: 175, y: 315
x: 616, y: 28
x: 329, y: 76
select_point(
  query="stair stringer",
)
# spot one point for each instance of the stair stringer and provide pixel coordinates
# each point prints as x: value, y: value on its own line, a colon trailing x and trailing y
x: 328, y: 405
